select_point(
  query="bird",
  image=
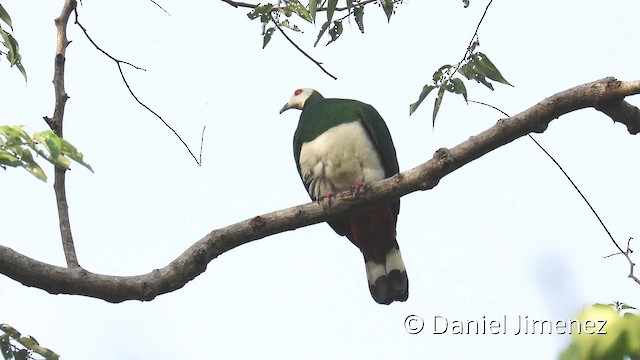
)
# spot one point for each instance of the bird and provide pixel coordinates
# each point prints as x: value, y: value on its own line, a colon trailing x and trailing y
x: 341, y: 145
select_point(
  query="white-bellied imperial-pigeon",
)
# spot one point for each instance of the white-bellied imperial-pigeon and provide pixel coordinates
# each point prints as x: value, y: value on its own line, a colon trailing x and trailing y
x: 341, y: 144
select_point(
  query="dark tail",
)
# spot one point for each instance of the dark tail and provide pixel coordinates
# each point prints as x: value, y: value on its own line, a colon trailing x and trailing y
x: 374, y: 232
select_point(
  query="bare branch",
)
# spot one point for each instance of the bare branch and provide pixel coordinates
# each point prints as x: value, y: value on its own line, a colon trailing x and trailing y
x: 194, y: 260
x: 626, y: 255
x: 55, y: 123
x: 119, y: 64
x: 319, y: 64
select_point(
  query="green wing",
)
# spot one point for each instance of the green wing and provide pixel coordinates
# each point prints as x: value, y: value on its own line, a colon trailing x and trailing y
x: 380, y: 136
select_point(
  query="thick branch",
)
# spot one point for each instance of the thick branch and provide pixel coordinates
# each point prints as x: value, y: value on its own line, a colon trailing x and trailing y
x: 194, y: 260
x: 622, y: 112
x: 55, y: 123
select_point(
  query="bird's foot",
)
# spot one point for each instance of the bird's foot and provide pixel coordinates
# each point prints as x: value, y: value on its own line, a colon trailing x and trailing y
x: 328, y: 196
x: 358, y: 187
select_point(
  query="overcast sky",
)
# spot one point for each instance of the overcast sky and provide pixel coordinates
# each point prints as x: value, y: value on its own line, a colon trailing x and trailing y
x: 504, y: 236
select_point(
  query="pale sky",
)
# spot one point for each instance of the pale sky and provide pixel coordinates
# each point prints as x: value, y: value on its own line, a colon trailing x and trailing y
x: 504, y: 236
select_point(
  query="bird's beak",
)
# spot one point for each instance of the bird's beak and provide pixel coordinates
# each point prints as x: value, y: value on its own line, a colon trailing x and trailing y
x: 285, y: 108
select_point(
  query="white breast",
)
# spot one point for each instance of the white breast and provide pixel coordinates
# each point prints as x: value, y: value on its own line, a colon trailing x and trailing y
x: 339, y: 158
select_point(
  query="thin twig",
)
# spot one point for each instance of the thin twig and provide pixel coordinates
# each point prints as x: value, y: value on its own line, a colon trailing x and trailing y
x: 126, y: 83
x: 202, y: 142
x: 472, y: 43
x: 625, y: 253
x: 160, y: 6
x: 55, y: 123
x: 319, y: 64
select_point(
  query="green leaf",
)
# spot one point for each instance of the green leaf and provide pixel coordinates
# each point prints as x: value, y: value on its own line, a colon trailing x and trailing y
x: 313, y: 7
x: 471, y: 71
x: 349, y: 5
x: 437, y: 75
x: 13, y: 54
x: 486, y: 68
x: 436, y: 105
x: 331, y: 7
x: 387, y: 5
x: 335, y: 31
x: 73, y: 153
x: 289, y: 26
x: 8, y: 159
x: 459, y: 88
x: 358, y: 14
x: 483, y: 80
x: 286, y: 10
x: 323, y: 29
x: 30, y: 165
x: 51, y: 142
x: 14, y: 135
x: 299, y: 9
x: 21, y: 354
x: 10, y: 42
x: 6, y: 42
x: 468, y: 71
x: 4, y: 16
x: 62, y: 162
x: 267, y: 36
x: 28, y: 341
x: 5, y: 347
x: 22, y: 71
x: 261, y: 11
x: 425, y: 91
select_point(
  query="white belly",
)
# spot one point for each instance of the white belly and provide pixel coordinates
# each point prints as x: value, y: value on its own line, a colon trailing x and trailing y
x: 338, y: 159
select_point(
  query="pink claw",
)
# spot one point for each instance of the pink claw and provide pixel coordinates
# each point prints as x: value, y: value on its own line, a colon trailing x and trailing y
x: 357, y: 187
x: 328, y: 196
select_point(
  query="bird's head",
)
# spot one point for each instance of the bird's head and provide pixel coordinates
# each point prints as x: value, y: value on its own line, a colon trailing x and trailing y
x: 298, y: 99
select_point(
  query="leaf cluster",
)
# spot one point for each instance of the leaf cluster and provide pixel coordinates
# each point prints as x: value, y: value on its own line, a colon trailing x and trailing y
x: 270, y: 16
x: 622, y: 338
x: 476, y: 66
x: 14, y: 346
x: 17, y: 149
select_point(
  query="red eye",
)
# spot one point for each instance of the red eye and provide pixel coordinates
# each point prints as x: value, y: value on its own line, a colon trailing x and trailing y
x: 297, y: 92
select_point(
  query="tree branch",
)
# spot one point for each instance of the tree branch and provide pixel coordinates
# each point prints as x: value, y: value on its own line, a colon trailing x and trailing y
x: 55, y: 123
x: 622, y: 112
x: 191, y: 263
